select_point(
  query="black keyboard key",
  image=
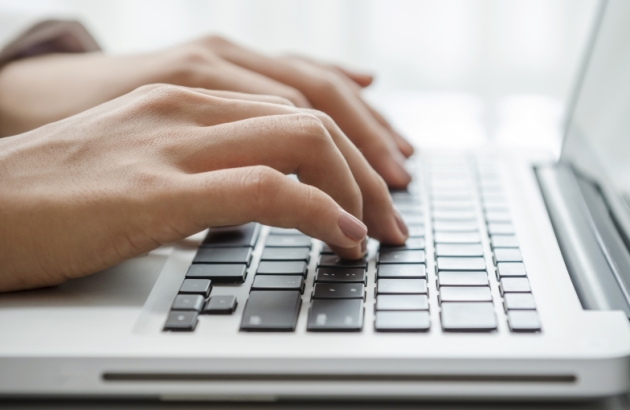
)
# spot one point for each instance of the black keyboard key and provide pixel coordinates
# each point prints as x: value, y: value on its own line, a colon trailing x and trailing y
x: 451, y: 237
x: 468, y: 317
x: 507, y: 255
x: 284, y: 231
x: 401, y: 286
x: 504, y: 241
x: 460, y: 264
x: 285, y: 254
x: 455, y: 226
x: 465, y: 294
x: 271, y: 310
x: 386, y: 256
x: 347, y: 275
x: 278, y: 282
x: 458, y: 249
x: 463, y: 278
x: 410, y: 244
x: 523, y: 321
x: 196, y: 286
x: 510, y: 270
x: 281, y: 241
x: 411, y: 321
x: 401, y: 271
x: 500, y: 228
x: 220, y: 273
x: 519, y: 301
x: 181, y: 321
x: 188, y: 302
x: 340, y: 315
x: 514, y: 285
x: 334, y: 261
x: 233, y: 236
x: 338, y: 291
x: 402, y: 302
x: 282, y: 268
x: 223, y: 255
x: 220, y: 305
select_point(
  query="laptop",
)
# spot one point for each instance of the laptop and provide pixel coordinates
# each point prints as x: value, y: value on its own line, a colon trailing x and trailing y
x: 514, y: 283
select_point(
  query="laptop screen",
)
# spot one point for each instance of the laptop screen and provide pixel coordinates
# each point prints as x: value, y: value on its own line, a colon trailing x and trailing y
x: 597, y: 140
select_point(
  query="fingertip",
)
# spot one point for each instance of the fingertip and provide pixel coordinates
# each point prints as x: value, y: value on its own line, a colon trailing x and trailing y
x: 363, y: 80
x: 401, y: 142
x: 405, y: 147
x: 354, y: 253
x: 402, y: 226
x: 396, y: 176
x: 351, y: 227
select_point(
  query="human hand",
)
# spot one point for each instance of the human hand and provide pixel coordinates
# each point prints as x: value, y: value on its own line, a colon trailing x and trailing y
x: 40, y: 90
x: 164, y: 162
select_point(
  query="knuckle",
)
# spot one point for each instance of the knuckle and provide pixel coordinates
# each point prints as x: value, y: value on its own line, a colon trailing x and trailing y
x: 162, y: 98
x: 281, y: 100
x: 147, y: 88
x: 312, y: 131
x: 189, y: 65
x: 325, y: 119
x: 194, y: 54
x: 215, y: 41
x: 261, y: 182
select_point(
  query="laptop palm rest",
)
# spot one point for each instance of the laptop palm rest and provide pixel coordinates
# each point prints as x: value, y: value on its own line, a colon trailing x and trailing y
x: 125, y: 285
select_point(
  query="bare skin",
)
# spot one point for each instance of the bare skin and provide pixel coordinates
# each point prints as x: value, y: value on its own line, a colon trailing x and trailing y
x: 40, y: 90
x: 164, y: 162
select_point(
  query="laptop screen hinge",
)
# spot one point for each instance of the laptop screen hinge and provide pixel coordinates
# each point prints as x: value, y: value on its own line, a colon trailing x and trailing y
x: 596, y: 256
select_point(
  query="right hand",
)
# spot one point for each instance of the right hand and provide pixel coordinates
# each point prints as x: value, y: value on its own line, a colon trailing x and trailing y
x: 164, y: 162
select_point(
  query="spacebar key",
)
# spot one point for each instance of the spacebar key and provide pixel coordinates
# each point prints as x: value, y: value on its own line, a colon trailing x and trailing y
x: 271, y: 310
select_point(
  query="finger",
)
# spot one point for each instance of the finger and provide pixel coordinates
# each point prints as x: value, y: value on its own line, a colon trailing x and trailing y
x: 233, y: 95
x: 355, y: 82
x: 379, y: 214
x: 328, y: 96
x: 403, y: 145
x: 261, y: 194
x: 292, y: 144
x: 215, y: 73
x: 361, y: 79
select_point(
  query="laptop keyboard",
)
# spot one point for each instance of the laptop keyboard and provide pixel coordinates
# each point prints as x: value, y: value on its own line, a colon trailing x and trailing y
x: 463, y: 202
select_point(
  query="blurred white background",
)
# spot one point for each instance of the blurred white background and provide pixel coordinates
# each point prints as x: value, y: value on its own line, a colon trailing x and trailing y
x: 472, y: 68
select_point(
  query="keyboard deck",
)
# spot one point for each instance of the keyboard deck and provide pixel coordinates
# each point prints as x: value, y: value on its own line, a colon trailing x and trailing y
x: 453, y: 209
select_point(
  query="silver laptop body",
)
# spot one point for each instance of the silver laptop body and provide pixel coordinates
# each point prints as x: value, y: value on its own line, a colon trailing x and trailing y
x: 514, y: 284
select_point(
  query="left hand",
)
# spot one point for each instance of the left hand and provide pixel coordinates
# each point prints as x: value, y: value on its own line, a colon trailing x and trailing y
x: 39, y: 90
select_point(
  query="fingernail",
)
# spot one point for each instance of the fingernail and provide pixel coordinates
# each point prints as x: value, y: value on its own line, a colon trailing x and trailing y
x: 401, y: 224
x: 351, y: 226
x: 364, y: 245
